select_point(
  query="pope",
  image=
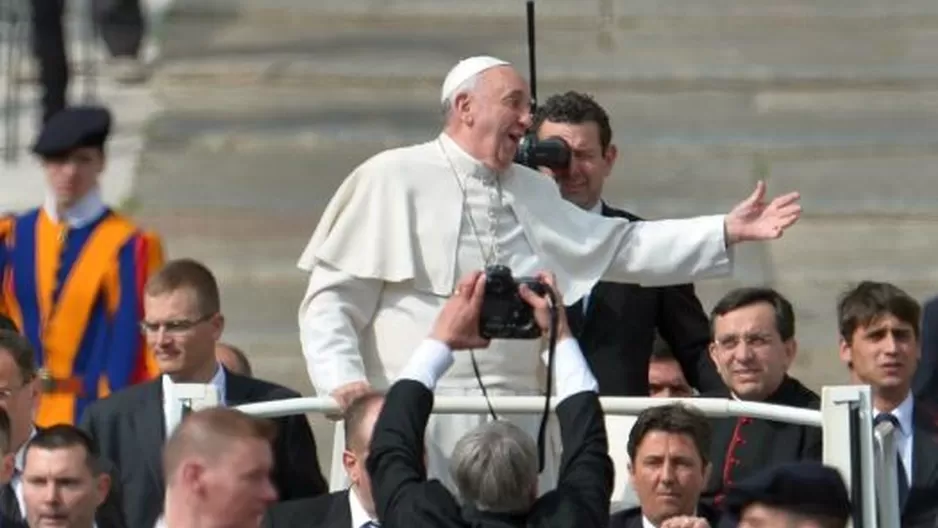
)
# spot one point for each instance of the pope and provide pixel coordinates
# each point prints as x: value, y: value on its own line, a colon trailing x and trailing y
x: 406, y: 223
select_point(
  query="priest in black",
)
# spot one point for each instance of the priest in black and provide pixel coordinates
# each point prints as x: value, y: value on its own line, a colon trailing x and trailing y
x: 879, y: 344
x: 670, y: 448
x: 495, y: 466
x: 182, y: 323
x: 617, y: 324
x: 753, y: 347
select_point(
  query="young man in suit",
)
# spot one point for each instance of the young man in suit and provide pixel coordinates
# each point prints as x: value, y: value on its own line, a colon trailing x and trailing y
x: 350, y: 508
x: 495, y: 465
x: 616, y: 323
x: 879, y: 344
x: 670, y: 448
x: 218, y: 466
x: 182, y: 323
x: 63, y: 480
x: 19, y: 397
x: 753, y: 348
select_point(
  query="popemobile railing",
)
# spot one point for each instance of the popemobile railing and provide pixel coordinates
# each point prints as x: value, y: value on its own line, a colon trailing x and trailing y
x: 850, y: 443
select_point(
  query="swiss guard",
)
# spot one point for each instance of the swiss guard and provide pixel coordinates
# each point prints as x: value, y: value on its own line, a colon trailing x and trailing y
x: 73, y: 272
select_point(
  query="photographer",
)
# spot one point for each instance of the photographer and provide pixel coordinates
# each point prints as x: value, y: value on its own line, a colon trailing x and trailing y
x: 494, y: 465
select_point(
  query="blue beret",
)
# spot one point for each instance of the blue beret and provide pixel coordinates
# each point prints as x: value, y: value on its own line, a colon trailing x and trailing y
x: 72, y: 128
x: 806, y: 487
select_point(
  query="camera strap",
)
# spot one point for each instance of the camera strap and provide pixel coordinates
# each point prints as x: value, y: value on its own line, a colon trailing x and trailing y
x: 545, y: 416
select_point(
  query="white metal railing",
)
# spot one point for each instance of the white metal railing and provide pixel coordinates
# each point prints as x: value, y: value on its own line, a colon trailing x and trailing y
x: 850, y: 444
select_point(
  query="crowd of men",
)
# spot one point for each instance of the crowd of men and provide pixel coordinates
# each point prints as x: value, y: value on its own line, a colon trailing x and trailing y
x: 99, y: 328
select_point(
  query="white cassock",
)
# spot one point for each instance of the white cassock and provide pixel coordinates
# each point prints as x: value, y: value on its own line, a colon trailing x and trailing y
x: 409, y: 222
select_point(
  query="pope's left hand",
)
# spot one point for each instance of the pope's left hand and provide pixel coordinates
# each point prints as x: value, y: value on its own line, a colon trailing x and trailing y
x: 753, y: 219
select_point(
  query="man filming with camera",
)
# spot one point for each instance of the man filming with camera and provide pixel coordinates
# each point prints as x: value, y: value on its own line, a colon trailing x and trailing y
x: 495, y: 465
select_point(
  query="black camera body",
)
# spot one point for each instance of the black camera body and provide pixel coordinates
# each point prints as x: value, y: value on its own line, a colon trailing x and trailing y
x: 505, y: 315
x: 552, y: 152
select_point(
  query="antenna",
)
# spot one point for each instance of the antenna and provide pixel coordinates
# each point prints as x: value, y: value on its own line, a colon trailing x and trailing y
x: 531, y: 58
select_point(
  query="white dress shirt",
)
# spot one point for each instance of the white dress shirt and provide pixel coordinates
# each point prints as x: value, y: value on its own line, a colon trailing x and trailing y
x: 904, y: 436
x: 19, y: 462
x: 218, y: 380
x: 85, y: 211
x: 360, y: 517
x: 596, y: 209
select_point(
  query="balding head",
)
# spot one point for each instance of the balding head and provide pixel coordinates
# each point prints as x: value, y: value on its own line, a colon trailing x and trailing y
x: 233, y: 359
x: 218, y: 464
x: 359, y: 421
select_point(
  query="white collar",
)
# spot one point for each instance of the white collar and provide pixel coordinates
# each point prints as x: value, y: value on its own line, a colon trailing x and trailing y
x: 463, y: 162
x: 218, y: 380
x: 359, y: 516
x: 20, y: 460
x: 903, y: 413
x: 598, y: 208
x: 86, y: 210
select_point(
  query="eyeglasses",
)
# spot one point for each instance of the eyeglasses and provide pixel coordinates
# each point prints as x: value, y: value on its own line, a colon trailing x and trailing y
x: 173, y: 327
x: 730, y: 342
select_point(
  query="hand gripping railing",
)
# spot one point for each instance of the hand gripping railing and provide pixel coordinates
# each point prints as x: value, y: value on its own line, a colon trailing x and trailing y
x: 845, y: 418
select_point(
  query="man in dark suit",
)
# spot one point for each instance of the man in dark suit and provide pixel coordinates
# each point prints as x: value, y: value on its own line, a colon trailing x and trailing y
x: 495, y: 466
x: 670, y: 448
x: 925, y: 381
x: 616, y: 324
x: 794, y: 494
x: 753, y: 347
x: 6, y: 471
x: 350, y: 508
x: 182, y: 323
x: 20, y: 388
x: 879, y: 344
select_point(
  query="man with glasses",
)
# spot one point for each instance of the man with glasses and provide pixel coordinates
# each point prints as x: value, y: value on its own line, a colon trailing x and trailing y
x: 20, y: 390
x: 753, y: 347
x: 182, y: 324
x: 72, y: 273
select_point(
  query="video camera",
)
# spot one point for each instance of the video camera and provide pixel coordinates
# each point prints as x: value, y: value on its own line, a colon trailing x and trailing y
x: 505, y: 315
x: 552, y: 152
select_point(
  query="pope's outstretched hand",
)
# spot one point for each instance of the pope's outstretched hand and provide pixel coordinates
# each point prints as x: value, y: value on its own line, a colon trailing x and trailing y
x: 753, y: 219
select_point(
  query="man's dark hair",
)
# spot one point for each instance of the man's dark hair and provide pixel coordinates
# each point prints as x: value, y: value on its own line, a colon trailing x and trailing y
x: 354, y: 417
x: 7, y: 324
x: 64, y: 436
x: 868, y: 301
x: 6, y: 432
x: 661, y: 351
x: 21, y: 350
x: 675, y: 418
x: 575, y: 108
x: 743, y: 297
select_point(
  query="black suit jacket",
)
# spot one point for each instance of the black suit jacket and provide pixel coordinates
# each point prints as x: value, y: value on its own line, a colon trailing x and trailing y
x: 404, y: 498
x: 743, y: 446
x: 324, y: 511
x: 925, y: 381
x: 130, y: 430
x: 632, y: 518
x: 618, y: 332
x: 919, y: 509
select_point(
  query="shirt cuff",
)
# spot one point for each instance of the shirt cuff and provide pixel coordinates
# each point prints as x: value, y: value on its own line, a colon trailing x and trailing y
x: 428, y: 363
x: 572, y: 375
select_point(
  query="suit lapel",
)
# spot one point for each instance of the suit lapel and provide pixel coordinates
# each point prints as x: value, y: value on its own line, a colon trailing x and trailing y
x: 340, y: 514
x: 238, y: 389
x: 150, y: 426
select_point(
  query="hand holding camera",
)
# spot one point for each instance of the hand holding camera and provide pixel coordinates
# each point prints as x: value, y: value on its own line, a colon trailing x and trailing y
x: 493, y: 305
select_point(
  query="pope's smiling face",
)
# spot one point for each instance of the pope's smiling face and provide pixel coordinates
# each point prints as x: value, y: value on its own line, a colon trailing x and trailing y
x: 497, y: 113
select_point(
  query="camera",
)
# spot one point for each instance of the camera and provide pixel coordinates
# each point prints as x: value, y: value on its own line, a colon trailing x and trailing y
x: 552, y: 152
x: 505, y: 315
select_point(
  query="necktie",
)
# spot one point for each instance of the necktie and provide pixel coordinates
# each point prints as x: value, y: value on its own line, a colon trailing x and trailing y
x: 903, y: 480
x: 371, y: 524
x: 9, y: 503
